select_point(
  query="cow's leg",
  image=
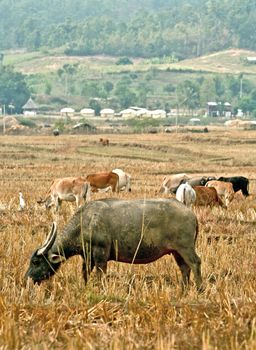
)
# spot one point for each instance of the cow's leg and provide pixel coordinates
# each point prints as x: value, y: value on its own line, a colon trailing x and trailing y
x: 184, y: 268
x: 78, y: 201
x: 194, y: 262
x: 57, y: 203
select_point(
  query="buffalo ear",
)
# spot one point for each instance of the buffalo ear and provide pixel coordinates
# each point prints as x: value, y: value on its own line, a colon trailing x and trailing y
x: 56, y: 258
x: 49, y: 240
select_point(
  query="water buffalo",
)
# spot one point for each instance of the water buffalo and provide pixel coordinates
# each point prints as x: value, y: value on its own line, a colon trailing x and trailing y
x: 130, y: 231
x: 199, y: 180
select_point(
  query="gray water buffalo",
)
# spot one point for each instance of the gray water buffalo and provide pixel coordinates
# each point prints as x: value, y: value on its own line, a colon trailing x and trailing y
x: 130, y: 231
x: 199, y: 180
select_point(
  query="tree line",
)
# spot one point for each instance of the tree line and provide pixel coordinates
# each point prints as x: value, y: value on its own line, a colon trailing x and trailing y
x: 138, y: 28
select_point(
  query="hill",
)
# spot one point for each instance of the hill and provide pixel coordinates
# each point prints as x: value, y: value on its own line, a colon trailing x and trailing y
x: 223, y: 62
x: 56, y: 80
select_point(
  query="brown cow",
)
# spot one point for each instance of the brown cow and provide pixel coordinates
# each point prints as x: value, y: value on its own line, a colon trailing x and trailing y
x: 225, y: 190
x: 103, y: 180
x: 207, y: 196
x: 104, y: 142
x: 67, y: 189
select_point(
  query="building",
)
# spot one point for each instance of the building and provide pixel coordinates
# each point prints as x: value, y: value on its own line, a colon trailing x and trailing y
x: 107, y: 113
x: 217, y: 109
x: 30, y: 108
x: 157, y: 113
x: 212, y: 109
x: 250, y: 60
x: 87, y: 112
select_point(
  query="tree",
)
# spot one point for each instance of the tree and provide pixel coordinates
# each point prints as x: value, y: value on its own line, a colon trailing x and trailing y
x: 108, y: 86
x: 13, y: 88
x: 188, y: 94
x: 94, y: 104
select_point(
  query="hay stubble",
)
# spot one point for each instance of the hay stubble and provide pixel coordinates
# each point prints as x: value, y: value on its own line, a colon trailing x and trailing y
x: 135, y: 307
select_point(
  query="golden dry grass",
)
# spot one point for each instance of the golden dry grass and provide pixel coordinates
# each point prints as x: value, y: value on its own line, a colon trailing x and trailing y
x: 135, y: 307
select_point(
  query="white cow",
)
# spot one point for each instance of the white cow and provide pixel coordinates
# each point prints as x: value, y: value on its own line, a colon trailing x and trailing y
x: 186, y: 194
x: 124, y: 180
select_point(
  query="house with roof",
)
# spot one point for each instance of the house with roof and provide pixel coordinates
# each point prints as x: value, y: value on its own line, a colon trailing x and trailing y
x: 217, y: 109
x: 30, y: 108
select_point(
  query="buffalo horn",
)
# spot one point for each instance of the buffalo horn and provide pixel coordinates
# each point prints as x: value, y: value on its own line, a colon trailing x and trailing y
x: 49, y: 240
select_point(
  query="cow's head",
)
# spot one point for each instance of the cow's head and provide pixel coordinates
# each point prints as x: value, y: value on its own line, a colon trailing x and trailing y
x: 44, y: 263
x: 48, y: 202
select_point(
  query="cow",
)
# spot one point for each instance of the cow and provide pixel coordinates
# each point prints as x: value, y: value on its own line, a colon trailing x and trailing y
x: 186, y: 194
x: 67, y: 189
x: 224, y: 189
x: 172, y: 182
x: 207, y: 196
x: 238, y: 182
x: 130, y: 231
x: 104, y: 142
x: 103, y: 180
x: 124, y: 183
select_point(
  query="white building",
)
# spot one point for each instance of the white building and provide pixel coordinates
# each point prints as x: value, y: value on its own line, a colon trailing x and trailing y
x: 107, y: 113
x: 87, y: 112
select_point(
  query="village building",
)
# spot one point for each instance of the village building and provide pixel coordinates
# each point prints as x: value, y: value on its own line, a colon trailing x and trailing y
x: 217, y: 109
x: 107, y: 113
x: 87, y: 112
x: 30, y: 108
x: 67, y: 112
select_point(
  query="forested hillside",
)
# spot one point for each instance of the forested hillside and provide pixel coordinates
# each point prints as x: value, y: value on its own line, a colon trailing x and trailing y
x: 142, y: 28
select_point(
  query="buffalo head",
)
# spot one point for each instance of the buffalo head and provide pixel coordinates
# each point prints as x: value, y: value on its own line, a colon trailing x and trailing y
x: 44, y: 263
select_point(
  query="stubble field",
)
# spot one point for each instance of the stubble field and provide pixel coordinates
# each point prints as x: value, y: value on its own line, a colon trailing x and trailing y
x: 135, y: 307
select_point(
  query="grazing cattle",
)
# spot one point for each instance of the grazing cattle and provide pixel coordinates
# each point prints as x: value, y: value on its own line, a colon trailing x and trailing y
x: 103, y: 180
x: 199, y: 180
x: 224, y: 189
x: 104, y: 142
x: 186, y: 194
x: 238, y: 182
x: 131, y: 231
x: 207, y: 196
x: 124, y: 180
x: 172, y: 182
x: 67, y: 189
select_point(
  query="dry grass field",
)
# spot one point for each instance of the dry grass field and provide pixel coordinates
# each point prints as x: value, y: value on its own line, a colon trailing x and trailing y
x: 134, y: 307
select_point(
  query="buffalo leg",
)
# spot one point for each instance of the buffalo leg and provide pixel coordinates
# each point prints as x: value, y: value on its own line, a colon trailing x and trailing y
x: 194, y: 262
x: 100, y: 260
x: 87, y: 269
x: 184, y: 268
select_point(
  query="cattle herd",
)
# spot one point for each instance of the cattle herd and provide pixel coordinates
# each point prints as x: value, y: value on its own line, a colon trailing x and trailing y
x: 131, y: 231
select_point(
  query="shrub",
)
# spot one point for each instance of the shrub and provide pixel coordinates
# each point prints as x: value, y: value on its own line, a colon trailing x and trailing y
x: 124, y: 60
x: 27, y: 122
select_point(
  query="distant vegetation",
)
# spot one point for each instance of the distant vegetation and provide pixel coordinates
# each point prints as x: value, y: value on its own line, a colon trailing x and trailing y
x: 147, y: 41
x: 139, y: 28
